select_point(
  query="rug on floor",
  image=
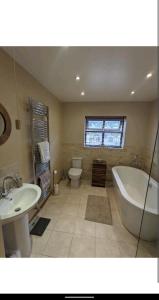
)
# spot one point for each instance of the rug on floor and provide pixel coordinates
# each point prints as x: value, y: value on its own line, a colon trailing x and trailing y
x: 98, y: 210
x: 40, y: 226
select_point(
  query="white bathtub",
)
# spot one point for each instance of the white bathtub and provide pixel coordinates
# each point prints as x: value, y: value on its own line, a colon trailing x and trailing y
x: 130, y: 187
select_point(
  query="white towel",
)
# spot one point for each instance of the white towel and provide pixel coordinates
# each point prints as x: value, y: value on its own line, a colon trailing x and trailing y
x: 44, y: 151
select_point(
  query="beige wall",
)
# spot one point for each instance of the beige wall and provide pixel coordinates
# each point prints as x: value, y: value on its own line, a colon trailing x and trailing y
x: 15, y: 87
x: 153, y: 124
x: 67, y: 126
x: 138, y: 119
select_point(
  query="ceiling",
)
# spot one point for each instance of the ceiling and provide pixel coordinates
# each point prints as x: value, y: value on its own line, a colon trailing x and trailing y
x: 106, y: 73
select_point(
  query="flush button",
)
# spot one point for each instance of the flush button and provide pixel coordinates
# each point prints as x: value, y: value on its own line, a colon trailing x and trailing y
x: 17, y: 209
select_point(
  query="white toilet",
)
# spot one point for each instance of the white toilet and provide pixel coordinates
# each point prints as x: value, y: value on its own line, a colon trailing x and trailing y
x: 75, y: 172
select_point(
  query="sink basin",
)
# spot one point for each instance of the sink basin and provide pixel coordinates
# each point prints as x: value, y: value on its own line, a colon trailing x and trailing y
x: 15, y: 221
x: 19, y: 202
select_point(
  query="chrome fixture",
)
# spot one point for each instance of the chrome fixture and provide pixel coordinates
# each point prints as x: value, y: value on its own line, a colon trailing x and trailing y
x: 17, y: 181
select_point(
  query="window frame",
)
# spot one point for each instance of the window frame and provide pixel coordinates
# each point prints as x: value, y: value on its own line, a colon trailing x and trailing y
x: 122, y: 120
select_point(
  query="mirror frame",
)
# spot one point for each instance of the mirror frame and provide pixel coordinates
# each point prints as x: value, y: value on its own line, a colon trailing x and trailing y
x: 8, y: 127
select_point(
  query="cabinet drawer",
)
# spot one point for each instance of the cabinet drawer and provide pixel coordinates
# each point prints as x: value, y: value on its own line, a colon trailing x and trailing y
x: 98, y: 183
x: 98, y: 170
x: 95, y: 167
x: 98, y: 174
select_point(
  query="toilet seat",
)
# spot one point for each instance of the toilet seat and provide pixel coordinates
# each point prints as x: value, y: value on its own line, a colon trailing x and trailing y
x: 74, y: 172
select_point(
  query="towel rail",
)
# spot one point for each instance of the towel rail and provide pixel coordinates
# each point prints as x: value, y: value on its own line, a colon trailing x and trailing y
x: 40, y: 133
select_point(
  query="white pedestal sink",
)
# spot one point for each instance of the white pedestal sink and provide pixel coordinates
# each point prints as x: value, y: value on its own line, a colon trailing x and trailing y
x: 14, y: 217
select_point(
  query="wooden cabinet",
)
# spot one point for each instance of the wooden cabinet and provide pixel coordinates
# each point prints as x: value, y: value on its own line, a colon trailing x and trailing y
x: 99, y: 173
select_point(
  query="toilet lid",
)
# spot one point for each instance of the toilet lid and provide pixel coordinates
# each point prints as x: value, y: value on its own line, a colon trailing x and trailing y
x: 75, y: 171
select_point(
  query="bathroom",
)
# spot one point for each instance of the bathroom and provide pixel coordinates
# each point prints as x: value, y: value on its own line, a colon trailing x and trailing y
x: 86, y: 90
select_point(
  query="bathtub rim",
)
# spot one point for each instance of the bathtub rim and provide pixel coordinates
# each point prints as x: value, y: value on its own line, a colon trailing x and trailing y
x: 124, y: 193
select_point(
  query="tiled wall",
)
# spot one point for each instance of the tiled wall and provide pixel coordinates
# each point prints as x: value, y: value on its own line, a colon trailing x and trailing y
x: 150, y: 160
x: 113, y: 157
x: 138, y: 119
x: 155, y: 161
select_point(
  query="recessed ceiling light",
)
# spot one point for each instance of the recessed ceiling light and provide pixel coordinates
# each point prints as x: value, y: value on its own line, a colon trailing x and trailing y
x: 82, y: 93
x: 77, y: 77
x: 149, y: 75
x: 133, y: 92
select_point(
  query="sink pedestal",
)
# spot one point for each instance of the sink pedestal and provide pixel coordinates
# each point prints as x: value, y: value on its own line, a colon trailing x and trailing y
x: 17, y: 237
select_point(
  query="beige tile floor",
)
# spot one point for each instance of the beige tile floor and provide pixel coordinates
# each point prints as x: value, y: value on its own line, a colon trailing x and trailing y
x: 70, y: 235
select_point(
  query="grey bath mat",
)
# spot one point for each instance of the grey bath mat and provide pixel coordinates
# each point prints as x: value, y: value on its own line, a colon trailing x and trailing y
x: 40, y: 226
x: 98, y: 210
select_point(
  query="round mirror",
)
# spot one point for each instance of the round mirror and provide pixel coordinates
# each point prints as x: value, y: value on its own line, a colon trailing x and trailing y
x: 5, y: 125
x: 2, y: 125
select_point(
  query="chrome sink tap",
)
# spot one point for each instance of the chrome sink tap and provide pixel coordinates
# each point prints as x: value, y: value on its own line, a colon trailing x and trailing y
x: 16, y: 180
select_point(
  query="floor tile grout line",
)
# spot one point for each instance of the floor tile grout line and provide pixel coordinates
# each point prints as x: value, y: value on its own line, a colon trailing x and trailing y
x: 114, y: 208
x: 69, y: 250
x: 95, y: 244
x: 45, y: 245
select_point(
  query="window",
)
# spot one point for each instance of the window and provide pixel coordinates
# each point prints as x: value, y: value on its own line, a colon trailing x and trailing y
x: 105, y: 132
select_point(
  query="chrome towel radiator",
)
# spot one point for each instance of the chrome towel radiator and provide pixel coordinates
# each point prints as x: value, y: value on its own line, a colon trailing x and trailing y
x: 40, y: 132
